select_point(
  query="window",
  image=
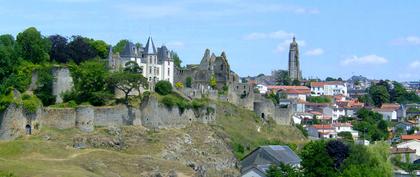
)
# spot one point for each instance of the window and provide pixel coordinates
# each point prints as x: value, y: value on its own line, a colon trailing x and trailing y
x: 221, y: 67
x: 157, y: 71
x: 150, y: 59
x: 169, y: 72
x: 150, y: 70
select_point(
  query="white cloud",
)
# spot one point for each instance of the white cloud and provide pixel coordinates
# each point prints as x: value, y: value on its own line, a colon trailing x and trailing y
x: 175, y: 45
x: 415, y: 64
x: 270, y: 35
x: 409, y: 40
x: 368, y: 59
x: 315, y: 52
x: 283, y: 46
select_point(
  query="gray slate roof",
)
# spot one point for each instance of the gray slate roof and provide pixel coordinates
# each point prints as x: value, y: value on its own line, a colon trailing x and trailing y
x: 150, y: 47
x: 267, y: 155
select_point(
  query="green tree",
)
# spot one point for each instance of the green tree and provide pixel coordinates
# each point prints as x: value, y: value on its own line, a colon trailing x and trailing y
x: 45, y: 85
x: 9, y: 59
x: 316, y: 161
x: 188, y: 82
x: 127, y: 82
x: 34, y: 46
x: 101, y: 47
x: 296, y: 82
x: 379, y: 94
x: 346, y: 136
x: 119, y: 47
x: 163, y: 87
x: 177, y: 60
x: 283, y: 170
x: 90, y: 83
x: 133, y: 67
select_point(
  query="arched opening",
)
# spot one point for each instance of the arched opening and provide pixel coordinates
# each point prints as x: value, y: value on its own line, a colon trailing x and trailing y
x: 28, y: 129
x: 262, y: 115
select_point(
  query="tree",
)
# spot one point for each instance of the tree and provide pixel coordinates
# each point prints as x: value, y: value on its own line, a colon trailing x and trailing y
x: 81, y: 50
x: 296, y: 82
x: 316, y: 161
x: 346, y: 136
x: 188, y: 82
x: 127, y: 82
x: 101, y: 47
x: 59, y: 50
x: 119, y: 47
x: 163, y: 87
x: 90, y: 83
x: 328, y: 79
x: 213, y: 81
x: 282, y: 77
x: 34, y: 47
x: 133, y: 67
x: 379, y: 94
x: 283, y: 170
x: 177, y: 60
x: 338, y: 151
x: 9, y: 59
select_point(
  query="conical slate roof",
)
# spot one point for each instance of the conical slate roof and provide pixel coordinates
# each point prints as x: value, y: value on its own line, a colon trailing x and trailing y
x: 150, y: 47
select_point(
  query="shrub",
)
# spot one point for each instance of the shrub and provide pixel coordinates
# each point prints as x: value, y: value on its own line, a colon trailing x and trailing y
x: 179, y: 85
x: 163, y: 87
x: 169, y: 101
x: 5, y: 100
x: 188, y: 82
x: 30, y: 103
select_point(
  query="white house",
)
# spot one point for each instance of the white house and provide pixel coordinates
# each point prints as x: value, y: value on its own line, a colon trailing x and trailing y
x: 156, y: 63
x: 334, y: 112
x: 328, y: 88
x: 262, y: 88
x: 292, y: 92
x: 412, y: 144
x: 345, y: 127
x: 388, y: 114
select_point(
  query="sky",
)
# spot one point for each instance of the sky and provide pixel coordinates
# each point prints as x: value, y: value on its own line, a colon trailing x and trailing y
x: 376, y: 39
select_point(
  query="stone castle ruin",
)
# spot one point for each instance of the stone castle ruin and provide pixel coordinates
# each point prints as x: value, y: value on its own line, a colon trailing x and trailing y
x: 15, y: 121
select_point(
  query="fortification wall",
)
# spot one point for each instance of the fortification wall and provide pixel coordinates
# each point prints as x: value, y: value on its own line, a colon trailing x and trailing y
x: 62, y: 82
x: 60, y: 118
x: 116, y: 115
x: 156, y: 115
x: 85, y: 116
x: 14, y: 121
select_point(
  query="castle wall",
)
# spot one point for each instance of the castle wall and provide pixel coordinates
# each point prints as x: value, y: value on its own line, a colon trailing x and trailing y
x: 61, y: 118
x: 112, y: 115
x: 85, y: 117
x: 13, y: 123
x: 62, y: 82
x: 156, y: 115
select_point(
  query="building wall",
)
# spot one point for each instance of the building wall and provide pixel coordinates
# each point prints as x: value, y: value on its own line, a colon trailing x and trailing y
x: 62, y: 82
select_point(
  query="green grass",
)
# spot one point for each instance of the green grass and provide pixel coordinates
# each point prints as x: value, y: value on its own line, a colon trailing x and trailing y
x: 239, y: 128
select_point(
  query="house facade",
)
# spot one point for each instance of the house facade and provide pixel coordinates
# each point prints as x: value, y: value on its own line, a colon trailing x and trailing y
x: 328, y: 88
x: 156, y: 63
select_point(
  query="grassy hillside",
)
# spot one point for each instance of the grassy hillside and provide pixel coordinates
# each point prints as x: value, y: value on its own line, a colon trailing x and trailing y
x: 136, y: 151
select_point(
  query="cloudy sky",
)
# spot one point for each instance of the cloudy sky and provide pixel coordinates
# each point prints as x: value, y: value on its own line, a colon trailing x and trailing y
x: 377, y: 39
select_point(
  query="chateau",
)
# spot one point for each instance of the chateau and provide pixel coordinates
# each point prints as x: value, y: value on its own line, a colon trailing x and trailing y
x: 294, y: 67
x: 156, y: 63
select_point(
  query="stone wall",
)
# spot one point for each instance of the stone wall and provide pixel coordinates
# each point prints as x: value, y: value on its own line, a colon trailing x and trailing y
x: 156, y: 115
x: 60, y: 118
x: 116, y: 115
x: 14, y: 121
x: 62, y: 82
x: 265, y: 109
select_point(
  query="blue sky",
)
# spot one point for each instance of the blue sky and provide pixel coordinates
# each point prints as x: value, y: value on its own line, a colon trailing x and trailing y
x: 377, y: 39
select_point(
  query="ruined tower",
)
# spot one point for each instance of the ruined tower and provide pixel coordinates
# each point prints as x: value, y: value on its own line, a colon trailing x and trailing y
x: 294, y: 66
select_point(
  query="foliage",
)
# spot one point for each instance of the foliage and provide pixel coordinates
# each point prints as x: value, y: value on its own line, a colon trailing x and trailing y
x: 45, y: 85
x: 81, y: 50
x: 282, y: 77
x: 188, y: 82
x: 316, y: 161
x: 34, y: 46
x: 30, y: 103
x: 371, y: 124
x: 333, y: 79
x: 127, y: 82
x: 176, y: 59
x: 344, y: 119
x: 179, y: 85
x: 59, y: 51
x: 100, y: 46
x: 302, y: 129
x: 318, y: 99
x: 213, y: 81
x: 90, y: 83
x: 119, y: 47
x: 133, y: 67
x: 9, y: 59
x: 283, y: 170
x: 21, y: 79
x: 338, y: 151
x: 296, y: 82
x: 379, y: 95
x: 6, y: 99
x: 273, y: 97
x: 389, y: 92
x: 163, y: 87
x: 346, y: 136
x: 70, y: 104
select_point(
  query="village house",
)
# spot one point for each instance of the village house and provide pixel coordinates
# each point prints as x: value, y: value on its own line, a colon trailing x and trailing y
x: 388, y: 111
x: 291, y: 92
x: 328, y: 88
x: 412, y: 144
x: 405, y: 154
x: 257, y: 162
x: 321, y: 131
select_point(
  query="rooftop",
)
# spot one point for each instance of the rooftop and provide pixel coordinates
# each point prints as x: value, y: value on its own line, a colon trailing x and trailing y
x: 321, y: 84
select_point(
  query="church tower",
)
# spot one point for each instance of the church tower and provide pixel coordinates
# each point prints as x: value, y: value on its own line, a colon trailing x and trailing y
x: 294, y: 66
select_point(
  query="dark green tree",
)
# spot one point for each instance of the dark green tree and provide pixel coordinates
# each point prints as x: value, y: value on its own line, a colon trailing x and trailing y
x: 163, y: 87
x: 177, y: 60
x: 188, y: 82
x: 59, y: 49
x: 81, y: 50
x: 379, y: 94
x: 316, y: 161
x: 9, y: 59
x: 127, y: 82
x: 34, y: 46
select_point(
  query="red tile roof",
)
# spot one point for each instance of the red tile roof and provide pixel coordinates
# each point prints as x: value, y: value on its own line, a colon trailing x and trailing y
x: 410, y: 137
x: 395, y: 150
x: 322, y: 126
x: 290, y: 89
x: 321, y: 84
x: 390, y: 106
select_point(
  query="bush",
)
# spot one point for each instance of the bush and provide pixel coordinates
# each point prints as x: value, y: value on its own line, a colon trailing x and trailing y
x: 179, y: 85
x: 318, y: 99
x: 6, y: 100
x: 169, y: 101
x: 30, y: 103
x: 163, y: 87
x: 188, y: 82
